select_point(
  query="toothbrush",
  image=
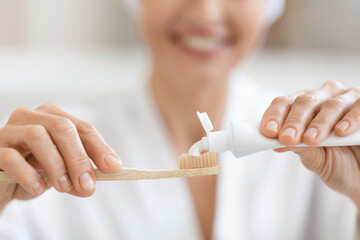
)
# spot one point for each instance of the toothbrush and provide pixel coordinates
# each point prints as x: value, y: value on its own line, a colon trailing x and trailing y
x: 204, y: 164
x: 245, y: 138
x: 241, y: 139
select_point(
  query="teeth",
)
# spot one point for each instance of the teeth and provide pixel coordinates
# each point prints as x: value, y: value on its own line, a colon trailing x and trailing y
x: 201, y: 43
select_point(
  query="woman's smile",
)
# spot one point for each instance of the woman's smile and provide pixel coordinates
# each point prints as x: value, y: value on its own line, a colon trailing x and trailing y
x: 202, y: 43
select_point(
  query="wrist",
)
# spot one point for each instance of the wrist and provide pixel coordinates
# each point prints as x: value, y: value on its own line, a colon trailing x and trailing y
x: 3, y: 204
x: 357, y: 204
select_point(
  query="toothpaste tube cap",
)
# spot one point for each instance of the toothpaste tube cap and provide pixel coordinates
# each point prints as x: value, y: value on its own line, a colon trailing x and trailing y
x: 205, y: 121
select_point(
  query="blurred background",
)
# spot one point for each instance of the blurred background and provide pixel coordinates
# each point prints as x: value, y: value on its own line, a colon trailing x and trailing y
x: 83, y: 48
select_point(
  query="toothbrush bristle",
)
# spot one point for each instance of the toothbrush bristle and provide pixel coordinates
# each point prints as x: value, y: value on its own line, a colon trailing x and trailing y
x: 205, y: 160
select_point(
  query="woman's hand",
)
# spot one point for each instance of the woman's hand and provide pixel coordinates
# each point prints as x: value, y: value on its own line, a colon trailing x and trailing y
x: 309, y: 117
x: 52, y: 140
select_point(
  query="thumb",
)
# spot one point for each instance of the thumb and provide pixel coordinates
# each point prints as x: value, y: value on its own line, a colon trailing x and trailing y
x: 313, y: 158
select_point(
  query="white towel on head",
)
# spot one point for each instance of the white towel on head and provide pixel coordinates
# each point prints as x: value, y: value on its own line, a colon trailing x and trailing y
x: 274, y: 9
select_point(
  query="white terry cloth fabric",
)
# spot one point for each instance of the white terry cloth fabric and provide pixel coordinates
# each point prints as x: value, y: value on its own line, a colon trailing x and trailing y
x: 262, y: 196
x: 274, y: 9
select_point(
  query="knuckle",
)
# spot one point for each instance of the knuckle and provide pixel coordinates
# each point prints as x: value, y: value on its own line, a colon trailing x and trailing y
x: 85, y: 128
x: 58, y: 164
x: 294, y: 119
x: 36, y: 132
x: 63, y: 125
x: 274, y: 113
x: 46, y: 106
x: 355, y: 90
x: 281, y: 100
x: 8, y: 155
x: 319, y: 122
x: 357, y: 102
x: 103, y: 147
x: 307, y: 99
x: 80, y: 161
x: 55, y: 172
x: 336, y: 102
x: 19, y: 112
x: 334, y: 84
x: 355, y: 115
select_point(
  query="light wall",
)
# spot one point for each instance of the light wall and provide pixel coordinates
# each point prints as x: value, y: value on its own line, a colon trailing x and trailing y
x: 13, y: 27
x: 64, y: 24
x: 328, y: 24
x: 319, y: 24
x: 55, y: 50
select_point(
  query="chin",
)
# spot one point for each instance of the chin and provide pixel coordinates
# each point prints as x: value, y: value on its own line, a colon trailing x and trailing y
x: 196, y: 80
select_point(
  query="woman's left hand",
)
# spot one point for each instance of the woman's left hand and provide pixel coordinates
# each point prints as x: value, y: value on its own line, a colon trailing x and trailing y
x: 309, y: 117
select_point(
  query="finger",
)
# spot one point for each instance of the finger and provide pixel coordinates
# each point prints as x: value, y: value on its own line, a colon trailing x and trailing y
x: 290, y: 149
x: 282, y: 150
x: 36, y: 139
x: 16, y: 166
x: 98, y: 150
x: 350, y: 123
x: 303, y: 110
x: 65, y: 136
x: 356, y: 152
x: 275, y: 115
x: 313, y: 158
x: 331, y: 112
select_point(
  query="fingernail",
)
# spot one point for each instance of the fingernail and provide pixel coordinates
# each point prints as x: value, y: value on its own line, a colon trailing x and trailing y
x: 112, y: 161
x: 311, y: 133
x: 86, y: 182
x: 271, y: 126
x: 38, y: 188
x: 65, y: 183
x: 290, y: 132
x: 344, y: 125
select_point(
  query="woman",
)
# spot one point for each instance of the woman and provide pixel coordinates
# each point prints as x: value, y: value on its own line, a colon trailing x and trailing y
x: 194, y: 45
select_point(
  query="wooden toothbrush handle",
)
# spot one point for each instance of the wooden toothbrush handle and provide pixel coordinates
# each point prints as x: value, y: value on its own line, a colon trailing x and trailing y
x: 135, y: 174
x: 138, y: 174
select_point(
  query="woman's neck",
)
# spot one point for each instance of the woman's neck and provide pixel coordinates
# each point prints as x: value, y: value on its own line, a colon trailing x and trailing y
x: 178, y: 107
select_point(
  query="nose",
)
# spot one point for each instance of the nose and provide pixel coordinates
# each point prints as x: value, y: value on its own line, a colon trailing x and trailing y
x: 204, y: 12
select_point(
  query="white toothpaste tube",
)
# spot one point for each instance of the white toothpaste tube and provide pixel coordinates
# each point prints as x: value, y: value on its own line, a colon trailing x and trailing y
x: 245, y: 138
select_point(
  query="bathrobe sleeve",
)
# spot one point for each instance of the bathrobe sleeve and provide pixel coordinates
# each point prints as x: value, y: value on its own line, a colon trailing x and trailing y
x: 13, y: 224
x: 357, y: 228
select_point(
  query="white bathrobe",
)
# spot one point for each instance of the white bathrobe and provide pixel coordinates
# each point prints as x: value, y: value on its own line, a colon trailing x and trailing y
x: 262, y: 196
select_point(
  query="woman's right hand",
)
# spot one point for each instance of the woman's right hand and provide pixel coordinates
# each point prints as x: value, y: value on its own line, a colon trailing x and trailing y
x: 48, y: 138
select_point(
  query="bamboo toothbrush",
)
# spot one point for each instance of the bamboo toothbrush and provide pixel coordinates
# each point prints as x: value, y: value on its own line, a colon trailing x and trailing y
x: 189, y: 166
